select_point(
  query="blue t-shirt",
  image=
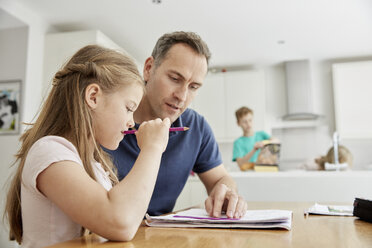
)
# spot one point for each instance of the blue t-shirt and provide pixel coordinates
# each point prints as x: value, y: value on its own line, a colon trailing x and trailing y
x: 244, y: 144
x: 195, y: 149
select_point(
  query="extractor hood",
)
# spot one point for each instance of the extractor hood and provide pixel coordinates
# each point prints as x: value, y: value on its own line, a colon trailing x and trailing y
x: 299, y: 91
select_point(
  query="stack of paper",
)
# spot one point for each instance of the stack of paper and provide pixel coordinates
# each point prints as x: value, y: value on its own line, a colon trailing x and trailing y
x: 199, y: 218
x: 340, y: 210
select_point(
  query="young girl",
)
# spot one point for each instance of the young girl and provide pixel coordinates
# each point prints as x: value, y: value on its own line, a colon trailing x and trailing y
x: 64, y: 178
x: 344, y: 157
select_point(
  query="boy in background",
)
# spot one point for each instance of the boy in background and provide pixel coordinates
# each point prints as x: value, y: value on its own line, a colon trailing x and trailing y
x: 246, y: 148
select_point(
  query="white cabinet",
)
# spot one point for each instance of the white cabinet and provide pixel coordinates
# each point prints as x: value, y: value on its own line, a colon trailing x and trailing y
x: 289, y: 186
x: 193, y: 194
x: 352, y: 87
x: 59, y: 47
x: 210, y: 102
x: 223, y: 93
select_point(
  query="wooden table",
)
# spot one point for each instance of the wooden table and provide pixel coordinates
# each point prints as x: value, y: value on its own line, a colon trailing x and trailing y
x: 312, y: 231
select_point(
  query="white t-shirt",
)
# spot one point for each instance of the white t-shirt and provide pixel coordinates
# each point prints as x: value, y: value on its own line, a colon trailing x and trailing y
x: 43, y: 222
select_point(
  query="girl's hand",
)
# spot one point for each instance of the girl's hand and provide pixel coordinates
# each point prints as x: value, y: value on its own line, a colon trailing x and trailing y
x: 153, y: 134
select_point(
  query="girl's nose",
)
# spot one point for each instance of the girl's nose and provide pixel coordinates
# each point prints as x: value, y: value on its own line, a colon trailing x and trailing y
x: 130, y: 123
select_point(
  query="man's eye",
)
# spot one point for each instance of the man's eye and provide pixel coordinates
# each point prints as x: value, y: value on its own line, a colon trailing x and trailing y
x: 129, y: 110
x: 194, y: 87
x: 174, y: 79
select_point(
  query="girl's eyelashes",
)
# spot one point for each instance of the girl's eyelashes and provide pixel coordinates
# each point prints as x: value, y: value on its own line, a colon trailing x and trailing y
x: 130, y: 109
x: 131, y: 106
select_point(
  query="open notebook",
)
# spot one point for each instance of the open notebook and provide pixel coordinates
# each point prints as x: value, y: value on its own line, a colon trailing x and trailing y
x: 197, y: 217
x: 340, y: 210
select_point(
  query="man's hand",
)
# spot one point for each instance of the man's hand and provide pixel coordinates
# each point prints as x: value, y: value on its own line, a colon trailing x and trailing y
x: 222, y: 198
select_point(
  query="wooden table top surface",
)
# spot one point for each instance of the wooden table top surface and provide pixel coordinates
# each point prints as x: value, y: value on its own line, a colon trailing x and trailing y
x: 311, y: 231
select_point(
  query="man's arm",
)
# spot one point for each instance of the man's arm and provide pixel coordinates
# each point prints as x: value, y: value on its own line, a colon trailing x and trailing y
x: 222, y: 193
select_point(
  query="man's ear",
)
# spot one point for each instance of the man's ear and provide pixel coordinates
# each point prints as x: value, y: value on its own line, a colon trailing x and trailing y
x: 149, y: 63
x: 92, y: 95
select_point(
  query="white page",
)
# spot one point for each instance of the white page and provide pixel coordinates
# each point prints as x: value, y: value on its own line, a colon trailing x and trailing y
x: 199, y: 218
x: 158, y: 223
x: 251, y: 216
x: 338, y: 210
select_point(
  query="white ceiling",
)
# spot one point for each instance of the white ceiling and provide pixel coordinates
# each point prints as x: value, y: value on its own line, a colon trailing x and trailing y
x: 238, y: 32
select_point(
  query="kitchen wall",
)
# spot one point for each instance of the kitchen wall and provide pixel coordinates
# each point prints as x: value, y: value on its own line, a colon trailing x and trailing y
x: 21, y: 57
x: 302, y: 141
x: 13, y: 50
x: 301, y: 144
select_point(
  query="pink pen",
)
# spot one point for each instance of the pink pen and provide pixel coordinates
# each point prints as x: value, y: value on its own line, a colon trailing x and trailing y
x: 172, y: 129
x: 203, y: 218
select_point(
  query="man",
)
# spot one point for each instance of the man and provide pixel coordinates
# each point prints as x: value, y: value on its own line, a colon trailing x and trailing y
x: 173, y: 75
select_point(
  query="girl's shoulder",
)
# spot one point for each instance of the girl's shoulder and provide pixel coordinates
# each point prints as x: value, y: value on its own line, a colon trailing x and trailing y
x: 52, y: 142
x: 53, y: 148
x: 43, y: 153
x: 53, y: 139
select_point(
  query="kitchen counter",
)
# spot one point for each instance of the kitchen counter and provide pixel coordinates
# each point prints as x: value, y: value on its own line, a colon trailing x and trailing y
x: 289, y: 186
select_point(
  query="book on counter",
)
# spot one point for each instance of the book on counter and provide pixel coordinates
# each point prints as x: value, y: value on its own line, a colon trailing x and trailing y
x: 266, y: 168
x: 197, y: 217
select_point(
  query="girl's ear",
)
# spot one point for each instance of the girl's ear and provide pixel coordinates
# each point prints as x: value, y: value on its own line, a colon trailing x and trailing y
x: 93, y: 93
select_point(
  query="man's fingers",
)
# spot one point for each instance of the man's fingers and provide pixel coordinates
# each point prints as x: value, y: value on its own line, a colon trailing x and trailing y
x: 224, y: 197
x: 241, y: 208
x: 219, y: 198
x: 209, y: 206
x: 232, y: 204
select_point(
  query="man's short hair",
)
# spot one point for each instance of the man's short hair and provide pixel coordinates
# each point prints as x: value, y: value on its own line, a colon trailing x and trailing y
x: 168, y: 40
x: 243, y: 111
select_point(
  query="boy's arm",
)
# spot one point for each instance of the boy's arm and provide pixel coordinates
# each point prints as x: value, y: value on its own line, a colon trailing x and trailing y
x: 240, y: 156
x: 242, y: 160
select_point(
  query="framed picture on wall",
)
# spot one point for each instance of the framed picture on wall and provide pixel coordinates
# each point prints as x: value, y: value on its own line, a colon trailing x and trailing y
x: 10, y: 95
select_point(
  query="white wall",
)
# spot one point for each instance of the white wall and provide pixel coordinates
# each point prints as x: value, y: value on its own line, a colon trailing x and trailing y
x: 13, y: 50
x: 21, y: 58
x: 276, y: 103
x: 35, y: 50
x: 60, y: 46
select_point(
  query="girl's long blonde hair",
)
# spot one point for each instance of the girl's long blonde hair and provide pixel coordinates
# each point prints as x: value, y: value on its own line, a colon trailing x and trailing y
x: 65, y: 112
x: 344, y: 156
